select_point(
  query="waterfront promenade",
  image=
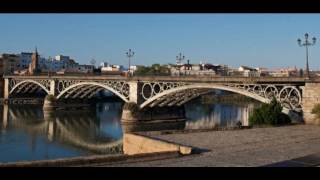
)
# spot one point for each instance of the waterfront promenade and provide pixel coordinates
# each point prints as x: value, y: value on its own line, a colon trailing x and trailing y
x: 249, y: 147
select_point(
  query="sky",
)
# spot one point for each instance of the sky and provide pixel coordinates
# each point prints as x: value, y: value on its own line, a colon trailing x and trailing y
x: 257, y: 40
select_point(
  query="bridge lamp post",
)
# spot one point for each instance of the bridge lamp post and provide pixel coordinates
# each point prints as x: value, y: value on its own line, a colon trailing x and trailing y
x: 179, y: 58
x: 307, y: 43
x: 129, y: 55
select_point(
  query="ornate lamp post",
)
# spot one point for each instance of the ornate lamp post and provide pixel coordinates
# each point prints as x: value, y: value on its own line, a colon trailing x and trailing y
x: 179, y: 58
x: 129, y: 55
x: 307, y: 43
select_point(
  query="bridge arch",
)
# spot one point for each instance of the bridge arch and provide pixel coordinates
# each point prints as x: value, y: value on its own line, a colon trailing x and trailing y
x: 92, y: 84
x: 29, y: 81
x: 204, y: 86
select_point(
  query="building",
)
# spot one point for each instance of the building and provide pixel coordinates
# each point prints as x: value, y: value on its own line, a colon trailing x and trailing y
x: 219, y: 69
x: 109, y: 68
x: 132, y: 69
x: 25, y: 59
x: 263, y: 71
x: 285, y: 72
x: 62, y: 58
x: 71, y: 64
x: 199, y: 69
x: 246, y: 68
x: 31, y: 63
x: 103, y: 64
x: 248, y: 71
x: 9, y: 63
x: 34, y: 67
x: 82, y: 69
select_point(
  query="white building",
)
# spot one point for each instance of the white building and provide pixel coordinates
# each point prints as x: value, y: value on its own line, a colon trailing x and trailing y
x: 56, y: 64
x: 249, y: 71
x: 133, y: 69
x: 109, y: 68
x: 59, y: 63
x: 62, y: 58
x: 104, y: 64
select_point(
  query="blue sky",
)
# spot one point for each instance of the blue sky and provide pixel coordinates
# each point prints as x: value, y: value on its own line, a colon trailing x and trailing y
x: 267, y: 40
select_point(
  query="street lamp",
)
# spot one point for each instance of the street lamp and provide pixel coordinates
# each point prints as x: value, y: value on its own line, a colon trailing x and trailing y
x: 307, y: 43
x: 129, y: 55
x: 179, y: 58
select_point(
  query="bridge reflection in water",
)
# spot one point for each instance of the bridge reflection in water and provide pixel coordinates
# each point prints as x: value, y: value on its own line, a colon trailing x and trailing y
x: 213, y: 116
x: 29, y: 133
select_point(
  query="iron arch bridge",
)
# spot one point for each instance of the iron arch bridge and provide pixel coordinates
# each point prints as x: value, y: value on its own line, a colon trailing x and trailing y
x: 160, y: 91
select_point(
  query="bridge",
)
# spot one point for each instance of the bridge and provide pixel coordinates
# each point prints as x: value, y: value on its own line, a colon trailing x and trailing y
x: 295, y: 94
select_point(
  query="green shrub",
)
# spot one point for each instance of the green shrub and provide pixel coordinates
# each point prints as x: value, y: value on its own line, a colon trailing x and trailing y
x: 316, y: 111
x: 269, y: 114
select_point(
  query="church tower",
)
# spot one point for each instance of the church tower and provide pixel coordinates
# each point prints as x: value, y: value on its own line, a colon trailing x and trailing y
x: 34, y: 65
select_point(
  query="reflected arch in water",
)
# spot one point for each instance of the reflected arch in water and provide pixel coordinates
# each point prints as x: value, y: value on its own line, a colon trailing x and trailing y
x: 65, y: 129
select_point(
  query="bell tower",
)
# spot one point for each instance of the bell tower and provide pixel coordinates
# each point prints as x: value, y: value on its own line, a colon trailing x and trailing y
x: 34, y: 65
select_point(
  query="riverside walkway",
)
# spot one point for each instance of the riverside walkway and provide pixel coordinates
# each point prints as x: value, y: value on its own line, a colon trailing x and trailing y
x: 249, y: 147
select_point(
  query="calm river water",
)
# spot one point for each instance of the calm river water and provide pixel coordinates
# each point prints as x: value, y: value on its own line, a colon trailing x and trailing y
x: 27, y: 133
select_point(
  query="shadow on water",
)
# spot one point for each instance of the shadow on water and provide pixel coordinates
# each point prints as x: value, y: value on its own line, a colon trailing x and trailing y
x: 154, y: 126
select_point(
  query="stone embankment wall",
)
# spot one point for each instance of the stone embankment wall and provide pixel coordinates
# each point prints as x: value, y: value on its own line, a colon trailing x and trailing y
x: 310, y: 97
x: 137, y: 144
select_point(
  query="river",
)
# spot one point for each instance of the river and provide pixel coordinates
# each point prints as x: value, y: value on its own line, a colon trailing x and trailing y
x: 28, y: 133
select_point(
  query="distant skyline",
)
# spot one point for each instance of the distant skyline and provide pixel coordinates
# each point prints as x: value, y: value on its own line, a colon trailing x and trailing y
x: 258, y: 40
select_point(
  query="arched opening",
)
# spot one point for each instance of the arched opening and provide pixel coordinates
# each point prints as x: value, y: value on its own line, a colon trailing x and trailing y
x: 28, y: 89
x: 183, y: 89
x: 93, y: 90
x: 179, y: 96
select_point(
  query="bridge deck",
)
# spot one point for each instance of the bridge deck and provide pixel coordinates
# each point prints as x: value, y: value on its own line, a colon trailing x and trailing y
x: 226, y: 79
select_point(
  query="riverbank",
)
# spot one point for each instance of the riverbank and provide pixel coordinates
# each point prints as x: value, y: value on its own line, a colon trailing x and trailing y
x: 264, y: 146
x: 248, y: 147
x: 94, y: 160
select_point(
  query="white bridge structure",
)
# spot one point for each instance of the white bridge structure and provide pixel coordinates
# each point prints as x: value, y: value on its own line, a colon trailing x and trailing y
x: 159, y: 91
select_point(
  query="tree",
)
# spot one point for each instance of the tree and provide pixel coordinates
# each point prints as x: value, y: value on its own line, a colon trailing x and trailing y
x: 155, y: 69
x: 270, y: 114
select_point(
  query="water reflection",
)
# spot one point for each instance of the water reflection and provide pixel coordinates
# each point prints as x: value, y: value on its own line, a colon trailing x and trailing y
x: 27, y: 133
x: 209, y: 116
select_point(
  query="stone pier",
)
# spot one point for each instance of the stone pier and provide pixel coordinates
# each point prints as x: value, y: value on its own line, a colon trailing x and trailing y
x: 6, y: 89
x: 134, y: 118
x: 50, y: 103
x: 311, y: 97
